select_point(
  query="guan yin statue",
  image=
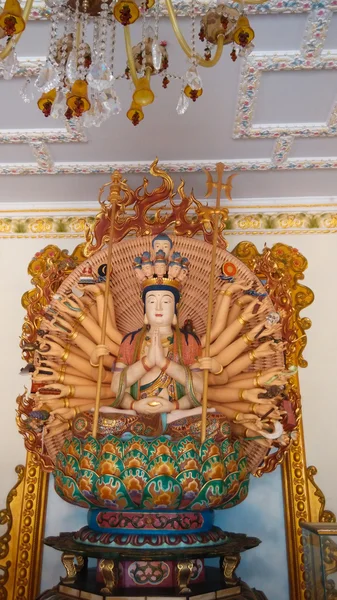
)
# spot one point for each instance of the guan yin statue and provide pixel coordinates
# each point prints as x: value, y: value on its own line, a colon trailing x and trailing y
x: 159, y: 385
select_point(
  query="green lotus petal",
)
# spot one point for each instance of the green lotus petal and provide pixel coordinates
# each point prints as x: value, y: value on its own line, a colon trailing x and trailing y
x: 112, y: 444
x: 111, y: 493
x: 134, y: 458
x: 72, y: 466
x: 75, y: 448
x: 210, y: 496
x: 240, y: 496
x: 163, y: 465
x: 60, y: 461
x: 68, y: 489
x: 162, y: 492
x: 184, y: 445
x: 213, y: 468
x: 92, y: 445
x: 205, y: 448
x: 88, y: 461
x: 137, y: 443
x: 161, y: 441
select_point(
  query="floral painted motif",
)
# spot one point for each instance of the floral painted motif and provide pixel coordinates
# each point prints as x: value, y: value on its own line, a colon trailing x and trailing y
x: 159, y: 475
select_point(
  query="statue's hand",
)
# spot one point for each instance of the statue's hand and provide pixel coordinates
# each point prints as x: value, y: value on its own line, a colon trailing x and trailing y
x: 209, y: 363
x: 48, y: 375
x: 58, y: 325
x: 100, y: 350
x: 144, y: 407
x: 251, y: 310
x: 236, y: 287
x: 70, y: 305
x: 151, y: 356
x: 55, y: 391
x: 275, y: 377
x: 160, y: 356
x: 268, y: 348
x: 64, y: 413
x: 253, y: 396
x: 51, y: 348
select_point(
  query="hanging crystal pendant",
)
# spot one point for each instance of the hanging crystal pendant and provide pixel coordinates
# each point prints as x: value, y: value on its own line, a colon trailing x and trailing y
x: 59, y: 106
x: 10, y: 65
x: 193, y: 78
x: 48, y: 78
x: 247, y: 50
x: 71, y: 67
x: 149, y: 32
x: 156, y: 55
x: 27, y: 92
x: 183, y: 104
x: 99, y: 76
x: 112, y: 103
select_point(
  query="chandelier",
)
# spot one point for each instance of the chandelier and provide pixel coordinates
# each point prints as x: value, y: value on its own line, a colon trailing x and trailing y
x: 78, y: 80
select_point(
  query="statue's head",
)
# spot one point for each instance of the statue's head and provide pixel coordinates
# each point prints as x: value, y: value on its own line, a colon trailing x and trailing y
x: 161, y: 274
x: 160, y: 307
x: 162, y: 242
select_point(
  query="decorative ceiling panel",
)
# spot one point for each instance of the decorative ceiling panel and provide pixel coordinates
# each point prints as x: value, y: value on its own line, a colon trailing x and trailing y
x: 298, y: 41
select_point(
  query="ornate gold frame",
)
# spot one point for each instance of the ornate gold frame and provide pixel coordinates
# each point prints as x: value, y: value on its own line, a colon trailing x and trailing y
x: 280, y: 267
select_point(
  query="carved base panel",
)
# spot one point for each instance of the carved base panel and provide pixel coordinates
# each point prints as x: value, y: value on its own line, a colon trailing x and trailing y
x: 214, y: 587
x: 153, y: 573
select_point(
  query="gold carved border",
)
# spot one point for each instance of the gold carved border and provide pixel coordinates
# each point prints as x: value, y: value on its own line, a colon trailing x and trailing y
x: 21, y: 544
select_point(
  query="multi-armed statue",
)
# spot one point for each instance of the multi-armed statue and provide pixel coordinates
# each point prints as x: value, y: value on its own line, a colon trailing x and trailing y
x: 158, y: 383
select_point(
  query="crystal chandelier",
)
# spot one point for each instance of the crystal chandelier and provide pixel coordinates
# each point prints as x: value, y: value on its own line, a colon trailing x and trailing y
x: 12, y: 23
x: 78, y: 80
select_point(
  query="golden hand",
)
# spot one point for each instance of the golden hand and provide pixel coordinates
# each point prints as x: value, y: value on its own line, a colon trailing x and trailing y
x: 160, y: 405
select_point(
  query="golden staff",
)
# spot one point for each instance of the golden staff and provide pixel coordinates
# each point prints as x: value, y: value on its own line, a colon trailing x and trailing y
x: 114, y: 198
x: 220, y: 167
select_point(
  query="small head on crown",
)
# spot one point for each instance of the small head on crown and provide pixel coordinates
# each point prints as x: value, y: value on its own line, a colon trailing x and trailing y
x: 162, y: 270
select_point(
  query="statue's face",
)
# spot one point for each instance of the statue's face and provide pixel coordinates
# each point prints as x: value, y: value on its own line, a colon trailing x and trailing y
x: 160, y: 268
x: 182, y: 275
x: 162, y: 245
x: 147, y: 270
x: 159, y: 307
x: 174, y: 271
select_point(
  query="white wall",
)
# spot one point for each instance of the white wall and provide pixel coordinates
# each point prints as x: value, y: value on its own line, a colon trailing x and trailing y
x: 318, y: 381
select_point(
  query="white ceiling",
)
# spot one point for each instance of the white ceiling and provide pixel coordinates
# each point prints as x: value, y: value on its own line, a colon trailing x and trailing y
x: 272, y: 118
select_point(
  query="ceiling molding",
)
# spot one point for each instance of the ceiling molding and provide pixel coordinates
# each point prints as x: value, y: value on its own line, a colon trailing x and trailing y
x: 287, y: 204
x: 32, y: 136
x: 41, y: 12
x: 310, y: 57
x: 93, y: 168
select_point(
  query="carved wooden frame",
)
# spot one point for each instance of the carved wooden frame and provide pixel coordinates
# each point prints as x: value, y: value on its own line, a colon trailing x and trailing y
x: 280, y: 268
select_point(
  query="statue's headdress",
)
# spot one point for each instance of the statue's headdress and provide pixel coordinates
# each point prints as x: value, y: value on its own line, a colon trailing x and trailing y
x: 174, y: 277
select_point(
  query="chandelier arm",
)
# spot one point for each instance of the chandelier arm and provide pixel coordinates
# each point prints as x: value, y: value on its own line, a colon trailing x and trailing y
x: 184, y: 45
x: 25, y: 15
x: 129, y: 54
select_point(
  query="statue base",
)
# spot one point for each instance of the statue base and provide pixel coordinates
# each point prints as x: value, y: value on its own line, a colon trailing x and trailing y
x: 166, y: 568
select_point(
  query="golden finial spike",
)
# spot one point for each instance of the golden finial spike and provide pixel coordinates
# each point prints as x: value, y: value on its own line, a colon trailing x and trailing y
x: 218, y: 185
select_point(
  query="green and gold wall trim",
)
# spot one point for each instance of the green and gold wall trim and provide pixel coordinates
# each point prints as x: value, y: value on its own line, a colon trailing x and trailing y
x: 65, y: 225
